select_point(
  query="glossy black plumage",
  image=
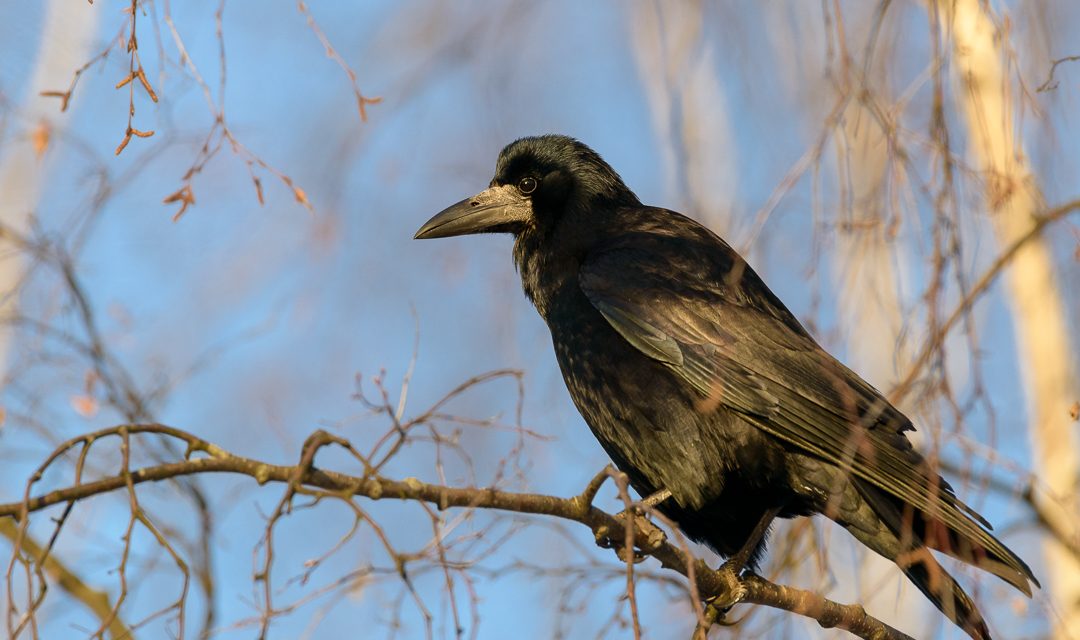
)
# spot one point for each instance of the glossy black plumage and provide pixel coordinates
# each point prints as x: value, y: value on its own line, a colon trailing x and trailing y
x: 697, y: 380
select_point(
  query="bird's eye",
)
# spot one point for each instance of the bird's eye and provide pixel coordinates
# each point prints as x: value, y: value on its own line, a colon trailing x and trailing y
x: 527, y: 185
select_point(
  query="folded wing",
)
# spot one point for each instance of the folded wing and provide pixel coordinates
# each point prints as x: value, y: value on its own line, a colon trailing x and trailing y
x: 716, y: 326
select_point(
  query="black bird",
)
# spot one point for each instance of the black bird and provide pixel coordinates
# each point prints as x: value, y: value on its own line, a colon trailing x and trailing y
x: 704, y: 389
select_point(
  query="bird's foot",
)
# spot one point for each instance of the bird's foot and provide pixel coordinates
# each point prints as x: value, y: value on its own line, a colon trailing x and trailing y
x: 733, y: 589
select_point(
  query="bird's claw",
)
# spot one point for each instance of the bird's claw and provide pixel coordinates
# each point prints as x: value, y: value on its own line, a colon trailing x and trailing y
x: 733, y: 589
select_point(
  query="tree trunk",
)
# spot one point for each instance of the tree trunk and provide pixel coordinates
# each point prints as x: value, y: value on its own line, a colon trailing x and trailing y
x: 1042, y: 340
x: 67, y: 31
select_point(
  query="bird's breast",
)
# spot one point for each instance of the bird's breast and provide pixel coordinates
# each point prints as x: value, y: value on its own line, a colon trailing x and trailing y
x: 651, y: 424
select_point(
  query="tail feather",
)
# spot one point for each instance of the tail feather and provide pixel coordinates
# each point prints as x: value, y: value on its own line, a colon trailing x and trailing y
x: 978, y: 548
x: 940, y: 588
x: 877, y: 521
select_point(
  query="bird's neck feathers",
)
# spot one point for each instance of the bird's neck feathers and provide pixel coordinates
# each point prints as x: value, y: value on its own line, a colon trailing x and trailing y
x: 592, y: 201
x: 544, y: 269
x: 549, y: 257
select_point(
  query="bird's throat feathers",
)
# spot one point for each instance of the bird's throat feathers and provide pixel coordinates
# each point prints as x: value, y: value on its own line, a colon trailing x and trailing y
x: 543, y: 273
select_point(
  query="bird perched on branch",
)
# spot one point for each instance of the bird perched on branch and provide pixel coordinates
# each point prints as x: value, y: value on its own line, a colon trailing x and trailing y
x: 704, y: 389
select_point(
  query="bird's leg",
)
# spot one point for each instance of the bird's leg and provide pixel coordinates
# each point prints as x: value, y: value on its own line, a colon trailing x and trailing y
x: 733, y: 567
x: 738, y: 561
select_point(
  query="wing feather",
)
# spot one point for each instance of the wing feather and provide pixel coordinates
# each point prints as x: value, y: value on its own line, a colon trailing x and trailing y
x: 738, y: 346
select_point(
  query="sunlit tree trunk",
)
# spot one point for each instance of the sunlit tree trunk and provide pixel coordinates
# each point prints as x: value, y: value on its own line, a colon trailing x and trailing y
x: 1044, y: 350
x: 67, y: 32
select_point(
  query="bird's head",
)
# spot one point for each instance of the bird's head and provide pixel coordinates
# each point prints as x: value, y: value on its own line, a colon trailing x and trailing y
x: 538, y: 181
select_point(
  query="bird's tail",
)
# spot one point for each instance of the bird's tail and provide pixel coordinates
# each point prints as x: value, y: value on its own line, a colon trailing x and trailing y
x: 948, y: 596
x: 886, y: 532
x: 970, y: 543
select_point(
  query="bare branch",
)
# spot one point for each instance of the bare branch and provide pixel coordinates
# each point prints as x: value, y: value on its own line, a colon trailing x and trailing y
x: 95, y: 600
x: 1050, y: 83
x: 710, y: 584
x: 933, y: 344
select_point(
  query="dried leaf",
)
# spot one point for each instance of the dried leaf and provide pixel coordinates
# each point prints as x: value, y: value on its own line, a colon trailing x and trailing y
x: 90, y: 381
x: 185, y: 196
x: 64, y: 96
x: 85, y: 406
x: 146, y: 84
x: 124, y: 142
x: 39, y: 138
x: 301, y: 197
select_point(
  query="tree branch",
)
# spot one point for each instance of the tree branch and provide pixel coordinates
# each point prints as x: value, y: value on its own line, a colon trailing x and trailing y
x: 933, y: 344
x: 96, y: 600
x: 607, y: 528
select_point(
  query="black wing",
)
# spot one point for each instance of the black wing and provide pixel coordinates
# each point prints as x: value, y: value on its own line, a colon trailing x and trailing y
x: 683, y: 297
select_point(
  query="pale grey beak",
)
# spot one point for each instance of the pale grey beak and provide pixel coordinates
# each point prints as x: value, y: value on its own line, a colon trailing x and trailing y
x: 498, y: 209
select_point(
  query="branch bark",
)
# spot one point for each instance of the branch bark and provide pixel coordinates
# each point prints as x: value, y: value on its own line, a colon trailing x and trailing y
x: 205, y: 457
